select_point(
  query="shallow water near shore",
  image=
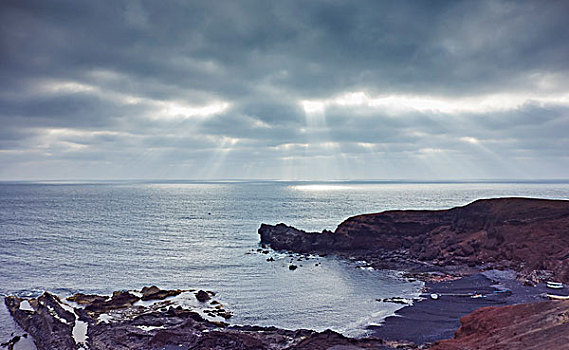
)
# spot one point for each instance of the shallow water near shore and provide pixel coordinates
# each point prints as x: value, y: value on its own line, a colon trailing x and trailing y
x: 100, y: 237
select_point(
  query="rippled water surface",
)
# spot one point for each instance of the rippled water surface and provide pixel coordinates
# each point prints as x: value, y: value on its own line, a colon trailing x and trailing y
x: 98, y: 238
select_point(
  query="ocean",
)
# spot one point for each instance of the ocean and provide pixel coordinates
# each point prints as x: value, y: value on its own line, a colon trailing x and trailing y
x: 67, y: 237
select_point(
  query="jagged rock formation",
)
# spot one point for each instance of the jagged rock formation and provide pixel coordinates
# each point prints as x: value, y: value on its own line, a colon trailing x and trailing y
x: 119, y: 323
x: 519, y: 233
x: 543, y: 325
x: 45, y: 319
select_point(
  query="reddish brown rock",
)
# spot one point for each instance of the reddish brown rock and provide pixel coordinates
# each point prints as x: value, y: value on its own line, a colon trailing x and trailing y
x: 520, y: 233
x: 543, y: 325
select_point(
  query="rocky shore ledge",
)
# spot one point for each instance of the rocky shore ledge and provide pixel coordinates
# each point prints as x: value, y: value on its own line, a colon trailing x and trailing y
x: 153, y: 319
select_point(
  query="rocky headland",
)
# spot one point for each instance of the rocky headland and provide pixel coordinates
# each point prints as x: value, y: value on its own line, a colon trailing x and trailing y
x: 530, y: 236
x: 466, y: 248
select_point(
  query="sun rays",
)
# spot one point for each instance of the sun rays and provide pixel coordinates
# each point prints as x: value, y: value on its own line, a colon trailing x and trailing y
x: 440, y: 150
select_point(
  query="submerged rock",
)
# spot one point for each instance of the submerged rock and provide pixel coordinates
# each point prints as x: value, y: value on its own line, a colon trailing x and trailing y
x: 398, y: 300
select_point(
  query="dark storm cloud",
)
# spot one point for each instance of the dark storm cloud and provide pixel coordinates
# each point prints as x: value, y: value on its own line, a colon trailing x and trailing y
x: 110, y: 79
x: 78, y: 110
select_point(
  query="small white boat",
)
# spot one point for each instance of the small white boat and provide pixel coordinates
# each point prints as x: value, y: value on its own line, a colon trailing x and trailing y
x: 558, y: 297
x: 554, y: 285
x: 434, y: 296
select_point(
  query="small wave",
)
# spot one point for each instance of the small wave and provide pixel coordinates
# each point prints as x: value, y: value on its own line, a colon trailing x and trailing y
x: 29, y: 293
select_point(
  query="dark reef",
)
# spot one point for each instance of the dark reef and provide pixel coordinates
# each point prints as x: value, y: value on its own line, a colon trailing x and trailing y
x: 119, y: 323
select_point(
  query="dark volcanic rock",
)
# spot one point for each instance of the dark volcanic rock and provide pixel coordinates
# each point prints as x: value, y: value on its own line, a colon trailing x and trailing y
x: 119, y: 300
x: 155, y: 293
x: 543, y: 325
x: 520, y: 233
x: 10, y: 343
x: 202, y: 296
x: 154, y: 329
x: 86, y: 299
x: 160, y: 325
x: 283, y: 237
x: 325, y: 340
x: 49, y: 324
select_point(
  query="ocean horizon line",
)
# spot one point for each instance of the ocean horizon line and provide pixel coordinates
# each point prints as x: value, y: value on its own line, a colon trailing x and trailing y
x: 291, y: 181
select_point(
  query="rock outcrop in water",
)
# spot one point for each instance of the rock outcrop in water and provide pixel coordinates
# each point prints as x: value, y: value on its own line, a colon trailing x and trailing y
x: 120, y: 322
x: 524, y: 234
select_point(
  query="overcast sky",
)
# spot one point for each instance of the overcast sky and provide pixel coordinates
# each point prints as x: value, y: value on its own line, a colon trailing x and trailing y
x: 284, y: 89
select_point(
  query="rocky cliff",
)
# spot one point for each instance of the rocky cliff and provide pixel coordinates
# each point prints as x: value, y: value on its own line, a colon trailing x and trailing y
x: 528, y: 326
x: 520, y: 233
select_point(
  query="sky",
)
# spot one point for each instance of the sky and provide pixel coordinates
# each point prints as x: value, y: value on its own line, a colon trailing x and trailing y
x: 289, y: 90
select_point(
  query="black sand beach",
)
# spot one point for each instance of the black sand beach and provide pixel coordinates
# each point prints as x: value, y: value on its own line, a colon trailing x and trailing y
x: 430, y: 320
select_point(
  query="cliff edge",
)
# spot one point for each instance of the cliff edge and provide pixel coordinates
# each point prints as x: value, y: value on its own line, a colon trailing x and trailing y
x: 523, y: 234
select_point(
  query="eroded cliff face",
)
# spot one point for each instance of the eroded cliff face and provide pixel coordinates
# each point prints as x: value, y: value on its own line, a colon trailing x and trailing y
x: 541, y: 325
x: 520, y: 233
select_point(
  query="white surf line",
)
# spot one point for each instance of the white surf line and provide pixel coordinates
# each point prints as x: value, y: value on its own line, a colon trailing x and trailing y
x: 54, y: 314
x: 105, y: 318
x: 186, y: 300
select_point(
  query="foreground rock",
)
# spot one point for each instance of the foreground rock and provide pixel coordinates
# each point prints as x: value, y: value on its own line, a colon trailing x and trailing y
x: 45, y: 319
x: 528, y: 235
x: 175, y: 320
x: 536, y: 326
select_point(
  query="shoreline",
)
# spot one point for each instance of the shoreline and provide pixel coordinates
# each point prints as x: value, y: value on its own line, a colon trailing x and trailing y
x: 425, y: 322
x: 479, y: 260
x: 429, y: 320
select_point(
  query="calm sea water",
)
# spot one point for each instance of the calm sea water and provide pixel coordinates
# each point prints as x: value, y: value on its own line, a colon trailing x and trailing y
x: 67, y: 238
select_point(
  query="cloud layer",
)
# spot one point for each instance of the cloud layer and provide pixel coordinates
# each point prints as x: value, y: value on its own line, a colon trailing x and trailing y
x: 284, y: 89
